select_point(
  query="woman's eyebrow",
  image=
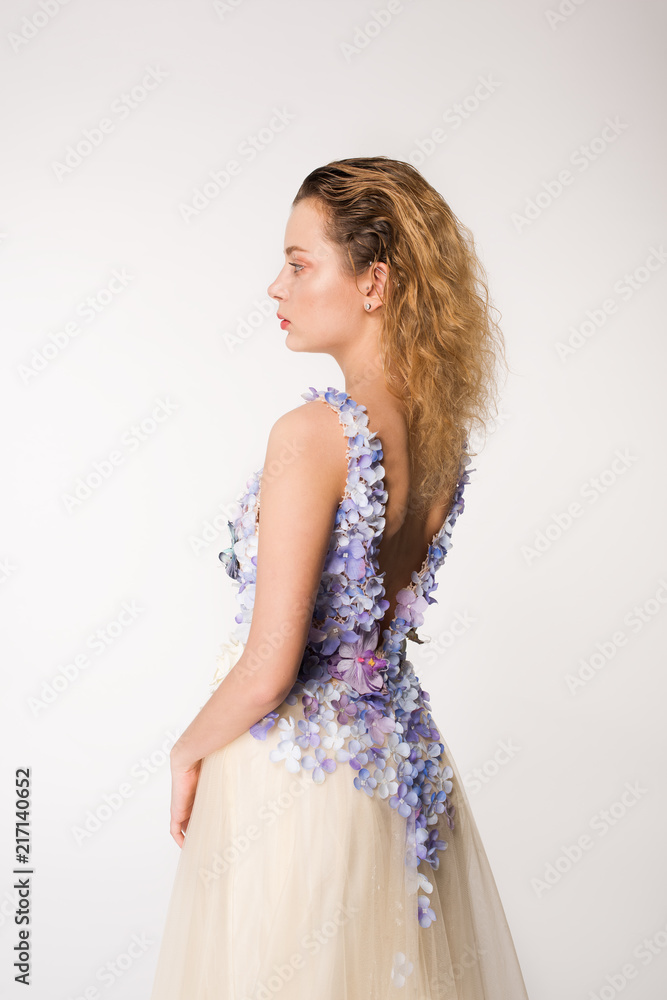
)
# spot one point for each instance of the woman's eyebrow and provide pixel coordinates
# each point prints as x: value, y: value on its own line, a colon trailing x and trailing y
x: 290, y: 250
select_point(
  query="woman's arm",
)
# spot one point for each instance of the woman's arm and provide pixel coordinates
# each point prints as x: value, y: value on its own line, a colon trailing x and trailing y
x: 304, y: 477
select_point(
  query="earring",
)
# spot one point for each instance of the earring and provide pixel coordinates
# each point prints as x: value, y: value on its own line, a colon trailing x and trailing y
x: 367, y: 305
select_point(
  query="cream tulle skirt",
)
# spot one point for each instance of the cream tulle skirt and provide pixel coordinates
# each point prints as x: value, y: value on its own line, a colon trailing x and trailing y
x: 291, y: 889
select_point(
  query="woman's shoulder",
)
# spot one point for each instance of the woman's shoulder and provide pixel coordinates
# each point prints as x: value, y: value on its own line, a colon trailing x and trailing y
x: 312, y: 432
x: 311, y: 420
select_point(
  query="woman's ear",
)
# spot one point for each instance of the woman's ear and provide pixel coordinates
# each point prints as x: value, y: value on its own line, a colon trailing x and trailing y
x: 377, y: 277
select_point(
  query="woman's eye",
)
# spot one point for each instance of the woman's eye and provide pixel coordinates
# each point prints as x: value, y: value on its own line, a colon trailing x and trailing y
x: 297, y: 266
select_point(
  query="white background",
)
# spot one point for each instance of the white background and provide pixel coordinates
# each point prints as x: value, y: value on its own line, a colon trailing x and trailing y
x: 174, y: 333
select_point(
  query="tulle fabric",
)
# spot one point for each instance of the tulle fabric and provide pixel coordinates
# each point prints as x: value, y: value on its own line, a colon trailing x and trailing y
x: 291, y: 889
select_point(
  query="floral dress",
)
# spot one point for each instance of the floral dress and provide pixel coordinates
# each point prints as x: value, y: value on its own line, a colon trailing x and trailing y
x: 331, y: 851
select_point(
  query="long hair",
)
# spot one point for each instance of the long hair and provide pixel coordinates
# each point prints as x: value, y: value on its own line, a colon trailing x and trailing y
x: 439, y: 345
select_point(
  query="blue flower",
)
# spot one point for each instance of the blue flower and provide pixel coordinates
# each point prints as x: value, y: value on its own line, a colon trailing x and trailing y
x: 261, y: 728
x: 355, y: 701
x: 320, y: 765
x: 379, y: 724
x: 349, y: 559
x: 404, y: 800
x: 365, y: 781
x: 425, y: 914
x: 330, y: 635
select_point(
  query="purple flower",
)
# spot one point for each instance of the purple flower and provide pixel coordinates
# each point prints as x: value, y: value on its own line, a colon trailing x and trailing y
x: 378, y: 724
x: 404, y: 800
x: 409, y: 607
x: 359, y: 666
x: 425, y: 914
x: 431, y: 844
x: 261, y: 728
x: 362, y: 703
x: 350, y: 559
x: 320, y: 765
x: 309, y: 734
x: 330, y: 635
x: 365, y: 780
x: 346, y: 710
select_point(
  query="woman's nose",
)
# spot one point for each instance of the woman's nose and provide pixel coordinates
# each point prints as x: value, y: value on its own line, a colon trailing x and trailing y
x: 275, y: 289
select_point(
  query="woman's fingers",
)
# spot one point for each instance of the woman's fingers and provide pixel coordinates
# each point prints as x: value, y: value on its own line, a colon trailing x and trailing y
x: 183, y: 790
x: 175, y: 830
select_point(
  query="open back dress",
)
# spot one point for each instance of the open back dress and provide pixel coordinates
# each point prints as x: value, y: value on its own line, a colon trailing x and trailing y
x: 331, y: 853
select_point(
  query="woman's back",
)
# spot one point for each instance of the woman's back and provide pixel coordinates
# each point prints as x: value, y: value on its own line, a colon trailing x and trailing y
x: 408, y: 532
x: 337, y: 828
x: 330, y: 849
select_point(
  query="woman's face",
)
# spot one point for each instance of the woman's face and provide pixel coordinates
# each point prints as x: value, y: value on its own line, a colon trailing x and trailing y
x: 324, y: 307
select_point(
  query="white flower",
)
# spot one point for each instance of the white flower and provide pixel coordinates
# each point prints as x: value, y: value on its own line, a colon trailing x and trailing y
x: 386, y: 782
x: 288, y: 751
x: 424, y: 883
x: 335, y: 736
x: 401, y: 969
x: 230, y: 653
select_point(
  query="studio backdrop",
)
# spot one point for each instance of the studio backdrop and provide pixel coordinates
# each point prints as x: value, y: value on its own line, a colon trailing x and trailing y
x: 151, y: 151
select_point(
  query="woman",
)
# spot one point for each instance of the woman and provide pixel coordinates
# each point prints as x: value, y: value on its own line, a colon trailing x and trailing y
x: 328, y: 849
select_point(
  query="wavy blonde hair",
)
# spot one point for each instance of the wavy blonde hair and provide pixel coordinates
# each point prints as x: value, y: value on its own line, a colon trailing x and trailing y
x: 440, y: 345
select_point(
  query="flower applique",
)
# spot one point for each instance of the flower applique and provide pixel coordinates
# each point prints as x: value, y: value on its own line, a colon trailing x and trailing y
x: 358, y: 664
x: 401, y: 969
x: 229, y: 655
x: 357, y: 701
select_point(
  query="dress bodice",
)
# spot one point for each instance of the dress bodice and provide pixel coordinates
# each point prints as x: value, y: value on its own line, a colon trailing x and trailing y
x: 351, y: 594
x: 359, y: 700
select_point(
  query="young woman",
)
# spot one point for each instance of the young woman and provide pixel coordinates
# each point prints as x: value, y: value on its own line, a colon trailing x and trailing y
x: 328, y: 848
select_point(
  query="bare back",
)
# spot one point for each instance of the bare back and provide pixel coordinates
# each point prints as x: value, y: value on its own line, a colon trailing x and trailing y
x: 408, y: 533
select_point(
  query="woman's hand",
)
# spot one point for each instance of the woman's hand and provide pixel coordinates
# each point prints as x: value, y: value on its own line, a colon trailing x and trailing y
x: 184, y: 778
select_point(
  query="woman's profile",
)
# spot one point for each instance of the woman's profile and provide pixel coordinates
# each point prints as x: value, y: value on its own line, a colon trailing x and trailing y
x: 328, y: 849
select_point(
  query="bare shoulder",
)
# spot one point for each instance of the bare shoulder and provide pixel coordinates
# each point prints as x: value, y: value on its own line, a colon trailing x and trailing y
x: 303, y: 481
x: 313, y: 433
x: 310, y: 420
